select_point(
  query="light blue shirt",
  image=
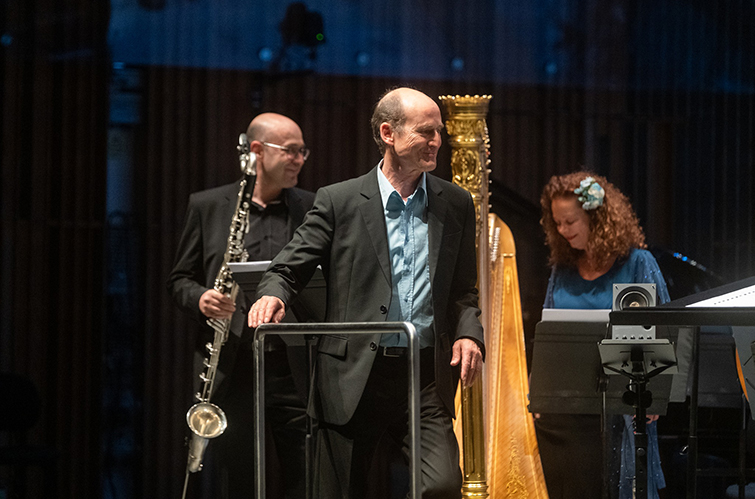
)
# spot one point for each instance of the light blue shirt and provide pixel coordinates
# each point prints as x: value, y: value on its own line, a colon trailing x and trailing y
x: 411, y: 298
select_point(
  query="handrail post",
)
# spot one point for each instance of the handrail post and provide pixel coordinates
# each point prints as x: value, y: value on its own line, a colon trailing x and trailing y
x: 259, y: 412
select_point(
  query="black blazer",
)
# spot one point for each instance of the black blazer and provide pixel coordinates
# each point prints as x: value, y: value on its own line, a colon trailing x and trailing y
x: 345, y: 233
x: 202, y: 248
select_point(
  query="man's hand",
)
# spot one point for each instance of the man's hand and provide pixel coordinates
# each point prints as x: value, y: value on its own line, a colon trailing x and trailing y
x: 468, y: 353
x: 216, y: 305
x: 267, y: 309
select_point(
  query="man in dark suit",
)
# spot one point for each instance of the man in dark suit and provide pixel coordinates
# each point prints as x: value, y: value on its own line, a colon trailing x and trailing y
x: 394, y: 244
x: 277, y: 210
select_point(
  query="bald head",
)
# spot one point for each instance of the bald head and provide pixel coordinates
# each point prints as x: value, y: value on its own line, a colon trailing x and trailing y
x: 270, y: 127
x: 393, y: 108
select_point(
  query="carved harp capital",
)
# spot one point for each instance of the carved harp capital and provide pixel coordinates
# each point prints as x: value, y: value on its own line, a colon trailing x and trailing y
x: 470, y: 144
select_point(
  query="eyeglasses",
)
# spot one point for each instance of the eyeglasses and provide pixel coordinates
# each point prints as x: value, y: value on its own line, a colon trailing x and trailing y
x: 290, y: 151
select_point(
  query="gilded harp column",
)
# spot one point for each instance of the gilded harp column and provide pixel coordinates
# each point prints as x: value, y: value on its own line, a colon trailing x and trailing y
x: 468, y: 136
x: 499, y: 446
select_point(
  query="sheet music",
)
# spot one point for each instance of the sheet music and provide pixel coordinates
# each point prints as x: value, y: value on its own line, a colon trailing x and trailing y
x: 575, y: 315
x: 258, y: 266
x: 744, y: 297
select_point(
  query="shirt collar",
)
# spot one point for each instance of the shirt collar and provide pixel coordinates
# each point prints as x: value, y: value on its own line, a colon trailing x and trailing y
x: 282, y: 199
x: 386, y: 189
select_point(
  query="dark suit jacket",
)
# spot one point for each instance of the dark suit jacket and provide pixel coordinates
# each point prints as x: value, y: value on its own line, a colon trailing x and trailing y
x: 201, y: 251
x: 345, y: 232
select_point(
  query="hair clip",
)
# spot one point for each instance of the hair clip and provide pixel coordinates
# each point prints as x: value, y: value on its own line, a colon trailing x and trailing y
x: 590, y: 194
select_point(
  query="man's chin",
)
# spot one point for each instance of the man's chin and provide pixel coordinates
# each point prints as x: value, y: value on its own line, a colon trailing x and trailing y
x: 429, y: 166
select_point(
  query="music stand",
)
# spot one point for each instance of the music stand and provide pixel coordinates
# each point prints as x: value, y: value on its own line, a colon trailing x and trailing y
x: 638, y: 360
x: 564, y: 345
x: 694, y: 317
x: 309, y: 305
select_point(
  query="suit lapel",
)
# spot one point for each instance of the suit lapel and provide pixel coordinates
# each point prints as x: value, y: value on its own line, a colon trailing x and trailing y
x: 296, y: 211
x: 436, y: 218
x: 371, y: 210
x: 231, y: 196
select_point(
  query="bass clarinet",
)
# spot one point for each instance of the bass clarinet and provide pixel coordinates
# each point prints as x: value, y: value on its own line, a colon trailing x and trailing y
x: 206, y: 420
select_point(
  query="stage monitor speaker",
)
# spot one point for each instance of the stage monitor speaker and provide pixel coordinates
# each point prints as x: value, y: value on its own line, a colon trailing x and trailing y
x: 633, y: 295
x: 630, y: 296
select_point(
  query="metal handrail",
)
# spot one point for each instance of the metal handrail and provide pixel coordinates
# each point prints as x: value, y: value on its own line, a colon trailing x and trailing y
x: 338, y: 328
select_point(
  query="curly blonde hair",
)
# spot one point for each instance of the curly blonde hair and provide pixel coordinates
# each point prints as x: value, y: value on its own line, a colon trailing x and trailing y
x: 614, y: 227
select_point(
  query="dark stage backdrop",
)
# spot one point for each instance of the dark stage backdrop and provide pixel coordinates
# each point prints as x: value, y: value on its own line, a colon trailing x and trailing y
x: 53, y: 148
x: 660, y: 148
x: 84, y: 311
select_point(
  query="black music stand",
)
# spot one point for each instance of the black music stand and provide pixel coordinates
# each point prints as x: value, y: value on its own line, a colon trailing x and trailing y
x: 638, y: 360
x: 568, y: 375
x: 694, y: 317
x: 308, y: 307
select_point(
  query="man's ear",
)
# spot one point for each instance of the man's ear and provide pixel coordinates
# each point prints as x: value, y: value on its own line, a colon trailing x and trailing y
x: 256, y: 147
x: 386, y: 133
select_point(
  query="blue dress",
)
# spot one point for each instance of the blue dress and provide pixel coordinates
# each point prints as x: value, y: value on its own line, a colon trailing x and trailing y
x: 567, y: 289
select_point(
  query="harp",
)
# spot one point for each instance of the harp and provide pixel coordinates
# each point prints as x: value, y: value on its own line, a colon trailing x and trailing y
x: 499, y: 451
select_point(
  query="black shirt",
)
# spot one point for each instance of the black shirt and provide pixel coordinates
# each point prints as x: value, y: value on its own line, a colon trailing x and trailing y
x: 268, y: 230
x: 268, y: 234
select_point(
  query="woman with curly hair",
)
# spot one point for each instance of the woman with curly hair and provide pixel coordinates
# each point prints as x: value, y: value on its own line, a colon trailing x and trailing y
x: 595, y: 240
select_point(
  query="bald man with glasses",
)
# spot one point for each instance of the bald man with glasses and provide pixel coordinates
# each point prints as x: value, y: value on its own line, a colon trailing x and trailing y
x: 278, y: 208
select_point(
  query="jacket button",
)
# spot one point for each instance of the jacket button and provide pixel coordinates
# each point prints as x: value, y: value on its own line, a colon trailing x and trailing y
x: 373, y: 346
x: 383, y: 310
